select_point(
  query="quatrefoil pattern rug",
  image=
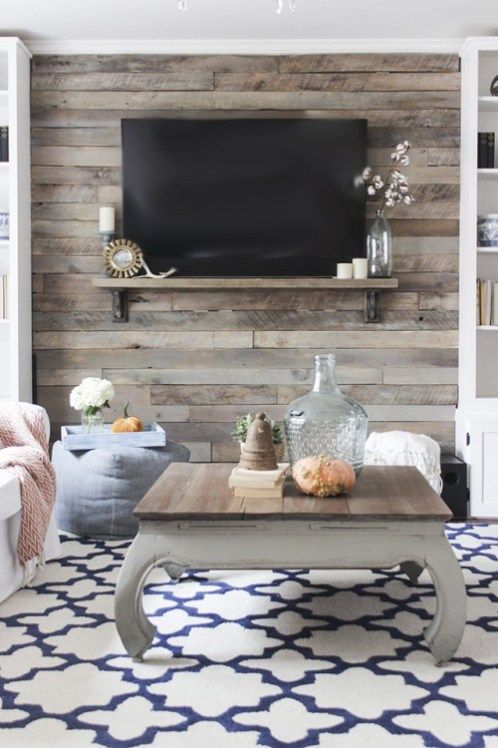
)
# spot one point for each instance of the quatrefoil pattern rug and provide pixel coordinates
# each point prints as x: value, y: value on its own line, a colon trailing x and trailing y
x: 244, y: 658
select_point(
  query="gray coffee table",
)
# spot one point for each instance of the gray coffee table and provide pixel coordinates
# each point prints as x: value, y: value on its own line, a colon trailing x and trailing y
x: 189, y: 519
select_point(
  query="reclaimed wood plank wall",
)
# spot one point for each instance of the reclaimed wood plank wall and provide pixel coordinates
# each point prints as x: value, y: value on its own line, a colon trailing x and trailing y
x: 195, y: 360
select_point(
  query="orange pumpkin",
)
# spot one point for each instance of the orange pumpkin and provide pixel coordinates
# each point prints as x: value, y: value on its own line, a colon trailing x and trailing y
x: 127, y: 423
x: 323, y: 476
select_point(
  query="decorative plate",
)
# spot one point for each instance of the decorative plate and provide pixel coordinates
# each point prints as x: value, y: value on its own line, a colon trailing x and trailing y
x: 123, y: 258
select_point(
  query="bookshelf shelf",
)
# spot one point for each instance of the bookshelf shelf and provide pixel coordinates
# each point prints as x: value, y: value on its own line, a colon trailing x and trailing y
x: 487, y: 250
x: 488, y: 103
x: 487, y: 328
x: 488, y: 173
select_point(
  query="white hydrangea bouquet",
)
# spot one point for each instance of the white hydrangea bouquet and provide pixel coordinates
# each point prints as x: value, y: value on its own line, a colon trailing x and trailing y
x: 90, y: 397
x: 395, y: 187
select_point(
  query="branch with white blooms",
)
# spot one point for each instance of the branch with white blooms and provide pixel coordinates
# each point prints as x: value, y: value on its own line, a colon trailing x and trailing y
x: 395, y: 188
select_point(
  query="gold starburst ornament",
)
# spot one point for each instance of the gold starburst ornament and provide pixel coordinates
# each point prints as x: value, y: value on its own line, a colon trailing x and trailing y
x: 123, y: 258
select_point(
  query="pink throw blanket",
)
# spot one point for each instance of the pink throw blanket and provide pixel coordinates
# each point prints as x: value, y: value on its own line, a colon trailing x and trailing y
x: 24, y: 453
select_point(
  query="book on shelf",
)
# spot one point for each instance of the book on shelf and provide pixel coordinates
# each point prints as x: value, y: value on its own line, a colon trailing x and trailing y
x: 487, y: 302
x: 491, y: 151
x: 4, y: 300
x: 485, y: 150
x: 4, y: 144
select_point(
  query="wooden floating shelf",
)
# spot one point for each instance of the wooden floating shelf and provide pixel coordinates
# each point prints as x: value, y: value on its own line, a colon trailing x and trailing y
x: 206, y: 284
x: 119, y: 288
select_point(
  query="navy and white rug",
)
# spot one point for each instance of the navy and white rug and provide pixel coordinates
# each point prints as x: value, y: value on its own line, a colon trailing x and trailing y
x: 289, y: 658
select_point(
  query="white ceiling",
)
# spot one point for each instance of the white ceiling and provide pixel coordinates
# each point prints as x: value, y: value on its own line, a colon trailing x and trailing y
x: 247, y: 19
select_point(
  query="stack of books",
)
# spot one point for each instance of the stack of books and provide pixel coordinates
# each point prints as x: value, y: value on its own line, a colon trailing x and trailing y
x: 258, y: 484
x: 485, y: 150
x: 4, y: 301
x: 487, y: 302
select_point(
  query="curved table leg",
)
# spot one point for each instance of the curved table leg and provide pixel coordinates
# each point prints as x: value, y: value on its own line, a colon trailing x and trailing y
x: 411, y: 569
x: 174, y: 571
x: 134, y: 628
x: 445, y: 632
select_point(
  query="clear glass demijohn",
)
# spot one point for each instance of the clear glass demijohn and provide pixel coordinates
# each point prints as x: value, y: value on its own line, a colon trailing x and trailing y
x: 325, y: 421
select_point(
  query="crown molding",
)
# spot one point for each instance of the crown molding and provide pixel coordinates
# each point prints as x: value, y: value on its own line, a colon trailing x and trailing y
x: 241, y: 46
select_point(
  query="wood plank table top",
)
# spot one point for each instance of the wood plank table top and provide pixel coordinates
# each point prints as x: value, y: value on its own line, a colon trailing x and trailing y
x: 188, y: 491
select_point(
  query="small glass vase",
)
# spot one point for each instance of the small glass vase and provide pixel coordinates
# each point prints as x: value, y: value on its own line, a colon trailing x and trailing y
x: 92, y: 424
x: 380, y: 247
x: 325, y: 421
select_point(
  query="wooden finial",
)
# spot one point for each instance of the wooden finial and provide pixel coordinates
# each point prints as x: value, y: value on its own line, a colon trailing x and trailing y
x: 258, y: 452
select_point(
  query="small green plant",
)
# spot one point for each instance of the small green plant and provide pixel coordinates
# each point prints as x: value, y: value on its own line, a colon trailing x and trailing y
x: 242, y: 424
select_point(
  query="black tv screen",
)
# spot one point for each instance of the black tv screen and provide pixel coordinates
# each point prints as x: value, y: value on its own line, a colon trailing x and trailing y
x: 245, y: 197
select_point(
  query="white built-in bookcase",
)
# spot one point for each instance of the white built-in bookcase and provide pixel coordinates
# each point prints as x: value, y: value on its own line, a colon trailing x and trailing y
x: 477, y: 413
x: 15, y: 254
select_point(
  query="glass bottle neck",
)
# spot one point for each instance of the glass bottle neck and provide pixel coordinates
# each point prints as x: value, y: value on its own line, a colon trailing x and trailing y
x: 325, y: 380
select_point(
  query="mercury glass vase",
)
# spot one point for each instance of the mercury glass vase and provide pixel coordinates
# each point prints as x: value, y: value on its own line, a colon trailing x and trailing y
x: 325, y: 421
x: 380, y: 247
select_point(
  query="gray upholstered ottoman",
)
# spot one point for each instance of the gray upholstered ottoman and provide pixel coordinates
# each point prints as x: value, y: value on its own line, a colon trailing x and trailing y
x: 97, y: 490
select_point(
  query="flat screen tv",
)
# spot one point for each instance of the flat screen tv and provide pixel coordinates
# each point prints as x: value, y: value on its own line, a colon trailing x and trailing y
x: 245, y: 197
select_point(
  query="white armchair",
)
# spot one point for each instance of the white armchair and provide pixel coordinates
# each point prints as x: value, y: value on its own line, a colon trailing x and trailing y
x: 11, y: 573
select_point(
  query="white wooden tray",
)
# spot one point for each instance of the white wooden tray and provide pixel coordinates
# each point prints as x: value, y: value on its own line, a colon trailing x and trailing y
x: 73, y: 438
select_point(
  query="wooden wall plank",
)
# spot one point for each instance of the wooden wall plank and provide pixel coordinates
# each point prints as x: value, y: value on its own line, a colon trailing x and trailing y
x: 330, y: 82
x: 439, y: 301
x: 162, y: 64
x: 239, y: 359
x: 245, y: 320
x: 128, y: 100
x: 441, y: 145
x: 207, y: 394
x: 385, y: 394
x: 43, y: 116
x: 350, y: 339
x: 122, y: 339
x: 164, y: 81
x: 86, y: 175
x: 212, y: 419
x: 244, y: 376
x: 355, y: 63
x: 193, y: 361
x: 284, y: 300
x: 352, y: 63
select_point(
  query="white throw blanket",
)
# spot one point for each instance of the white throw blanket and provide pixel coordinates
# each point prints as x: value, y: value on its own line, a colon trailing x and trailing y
x: 404, y: 448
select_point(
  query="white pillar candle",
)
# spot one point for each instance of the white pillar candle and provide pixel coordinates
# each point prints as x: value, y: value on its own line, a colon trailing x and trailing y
x: 344, y: 270
x: 360, y: 268
x: 107, y: 219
